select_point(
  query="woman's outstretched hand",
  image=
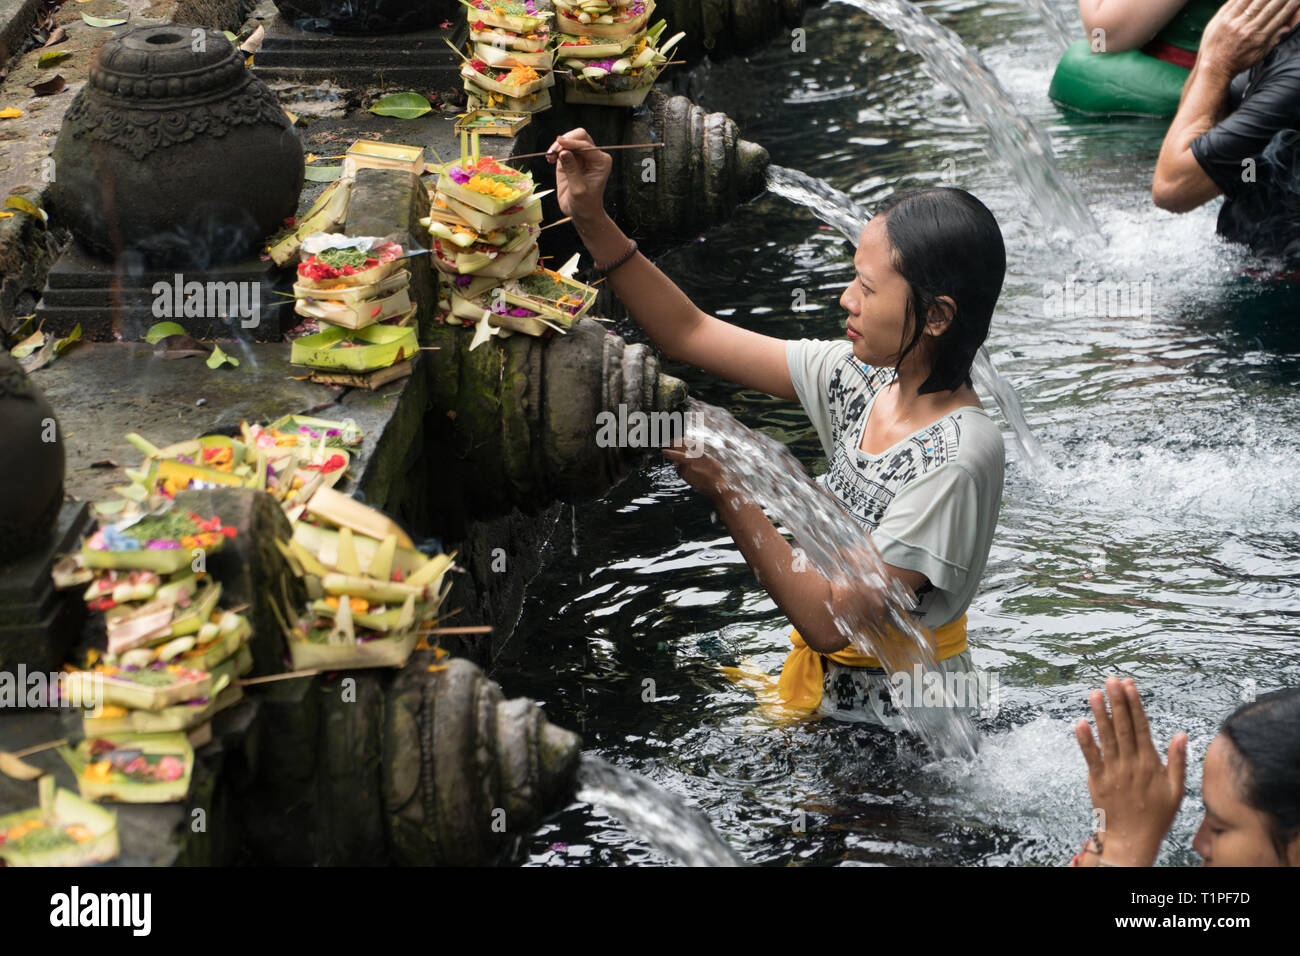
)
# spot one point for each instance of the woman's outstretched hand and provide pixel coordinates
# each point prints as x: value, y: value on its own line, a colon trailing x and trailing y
x: 700, y: 471
x: 580, y: 177
x: 1137, y: 792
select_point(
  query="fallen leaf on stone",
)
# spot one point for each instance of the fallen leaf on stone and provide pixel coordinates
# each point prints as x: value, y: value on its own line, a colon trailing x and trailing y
x: 401, y: 106
x: 322, y: 174
x: 10, y: 113
x: 103, y: 22
x: 219, y: 358
x: 28, y: 345
x: 178, y: 347
x: 27, y: 206
x: 69, y: 340
x: 51, y: 57
x: 6, y: 215
x: 105, y: 463
x: 161, y: 330
x: 58, y: 36
x: 55, y: 84
x: 230, y: 36
x: 293, y: 117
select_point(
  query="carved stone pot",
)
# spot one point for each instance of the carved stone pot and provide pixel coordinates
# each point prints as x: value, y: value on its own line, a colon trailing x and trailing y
x: 366, y: 16
x: 31, y: 486
x: 174, y: 152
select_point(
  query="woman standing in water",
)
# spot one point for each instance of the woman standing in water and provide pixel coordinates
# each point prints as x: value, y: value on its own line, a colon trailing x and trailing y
x: 912, y: 454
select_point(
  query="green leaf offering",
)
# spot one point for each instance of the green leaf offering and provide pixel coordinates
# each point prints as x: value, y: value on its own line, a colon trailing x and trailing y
x: 322, y: 174
x: 103, y: 21
x: 161, y: 330
x: 219, y: 358
x: 402, y: 106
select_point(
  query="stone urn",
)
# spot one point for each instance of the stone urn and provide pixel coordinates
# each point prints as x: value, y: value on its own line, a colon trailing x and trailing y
x: 31, y: 485
x: 174, y: 152
x: 366, y: 16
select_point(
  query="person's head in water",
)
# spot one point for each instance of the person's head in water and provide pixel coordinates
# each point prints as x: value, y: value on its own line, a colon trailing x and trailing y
x: 929, y: 266
x: 1251, y: 786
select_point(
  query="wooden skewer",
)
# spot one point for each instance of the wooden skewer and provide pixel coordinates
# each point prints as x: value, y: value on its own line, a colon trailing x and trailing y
x: 39, y: 747
x: 472, y: 629
x: 558, y: 222
x: 274, y: 677
x: 585, y: 149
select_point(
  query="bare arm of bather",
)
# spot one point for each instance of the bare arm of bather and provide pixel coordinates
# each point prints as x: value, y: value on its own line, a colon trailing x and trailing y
x: 810, y: 601
x: 1127, y: 24
x: 1238, y: 36
x: 679, y: 328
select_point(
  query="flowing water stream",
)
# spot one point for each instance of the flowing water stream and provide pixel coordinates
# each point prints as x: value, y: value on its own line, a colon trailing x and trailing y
x: 1162, y: 541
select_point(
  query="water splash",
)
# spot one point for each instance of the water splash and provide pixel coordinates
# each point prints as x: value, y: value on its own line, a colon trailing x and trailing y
x: 827, y: 203
x: 661, y: 818
x: 1058, y: 29
x: 835, y: 545
x: 1013, y: 139
x: 988, y: 380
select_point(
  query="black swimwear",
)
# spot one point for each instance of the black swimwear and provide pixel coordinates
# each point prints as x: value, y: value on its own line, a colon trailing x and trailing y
x: 1264, y: 128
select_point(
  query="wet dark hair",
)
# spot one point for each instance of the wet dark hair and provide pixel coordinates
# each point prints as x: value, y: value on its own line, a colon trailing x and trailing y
x: 1266, y: 735
x: 944, y: 241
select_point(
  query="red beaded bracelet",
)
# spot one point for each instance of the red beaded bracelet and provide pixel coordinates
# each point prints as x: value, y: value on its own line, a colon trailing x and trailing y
x: 606, y: 270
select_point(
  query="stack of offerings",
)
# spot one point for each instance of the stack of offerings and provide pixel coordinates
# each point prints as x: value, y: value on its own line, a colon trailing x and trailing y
x: 371, y: 593
x: 351, y: 288
x: 289, y: 459
x: 610, y: 56
x: 484, y: 227
x: 172, y: 660
x: 62, y: 830
x: 511, y: 64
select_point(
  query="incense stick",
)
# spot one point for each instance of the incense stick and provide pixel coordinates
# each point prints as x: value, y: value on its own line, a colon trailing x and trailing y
x: 469, y: 629
x: 274, y: 677
x: 558, y: 222
x: 586, y: 149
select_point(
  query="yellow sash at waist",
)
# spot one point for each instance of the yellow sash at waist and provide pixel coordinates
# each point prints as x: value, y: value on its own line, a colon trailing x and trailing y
x: 800, y: 686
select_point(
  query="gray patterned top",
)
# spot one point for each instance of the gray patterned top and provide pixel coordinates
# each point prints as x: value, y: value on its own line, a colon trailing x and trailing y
x: 931, y: 501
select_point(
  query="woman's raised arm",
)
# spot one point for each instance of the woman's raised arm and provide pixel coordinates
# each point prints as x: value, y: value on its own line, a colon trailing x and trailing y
x: 676, y: 325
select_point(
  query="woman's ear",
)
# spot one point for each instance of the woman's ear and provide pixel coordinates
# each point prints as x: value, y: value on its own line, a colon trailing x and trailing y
x: 941, y: 316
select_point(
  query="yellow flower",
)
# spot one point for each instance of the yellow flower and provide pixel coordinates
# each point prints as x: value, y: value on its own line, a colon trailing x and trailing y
x: 101, y: 772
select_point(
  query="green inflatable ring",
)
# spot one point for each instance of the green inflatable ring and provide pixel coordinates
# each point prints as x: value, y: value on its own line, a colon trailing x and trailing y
x: 1116, y: 84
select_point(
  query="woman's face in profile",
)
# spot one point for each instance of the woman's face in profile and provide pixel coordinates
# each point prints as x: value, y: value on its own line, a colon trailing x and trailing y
x: 1234, y: 833
x: 876, y: 299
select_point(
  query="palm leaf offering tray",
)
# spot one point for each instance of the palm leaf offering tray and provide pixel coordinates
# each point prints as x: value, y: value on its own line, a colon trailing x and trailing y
x: 326, y: 214
x: 369, y: 593
x: 501, y: 253
x: 361, y: 350
x: 365, y: 154
x: 505, y: 58
x: 490, y: 123
x: 179, y: 717
x: 64, y: 830
x: 517, y: 16
x: 132, y: 768
x: 332, y: 262
x: 161, y: 541
x: 340, y: 291
x: 477, y: 99
x: 295, y: 430
x: 515, y: 82
x: 364, y: 312
x: 484, y: 184
x: 452, y: 210
x: 622, y: 79
x: 547, y: 292
x: 178, y: 609
x: 599, y: 18
x: 498, y: 37
x: 149, y: 687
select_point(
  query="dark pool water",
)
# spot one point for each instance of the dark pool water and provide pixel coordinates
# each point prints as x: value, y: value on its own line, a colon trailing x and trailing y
x: 1162, y: 544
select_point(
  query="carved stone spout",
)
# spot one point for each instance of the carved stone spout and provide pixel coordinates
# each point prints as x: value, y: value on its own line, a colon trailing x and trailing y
x: 523, y: 418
